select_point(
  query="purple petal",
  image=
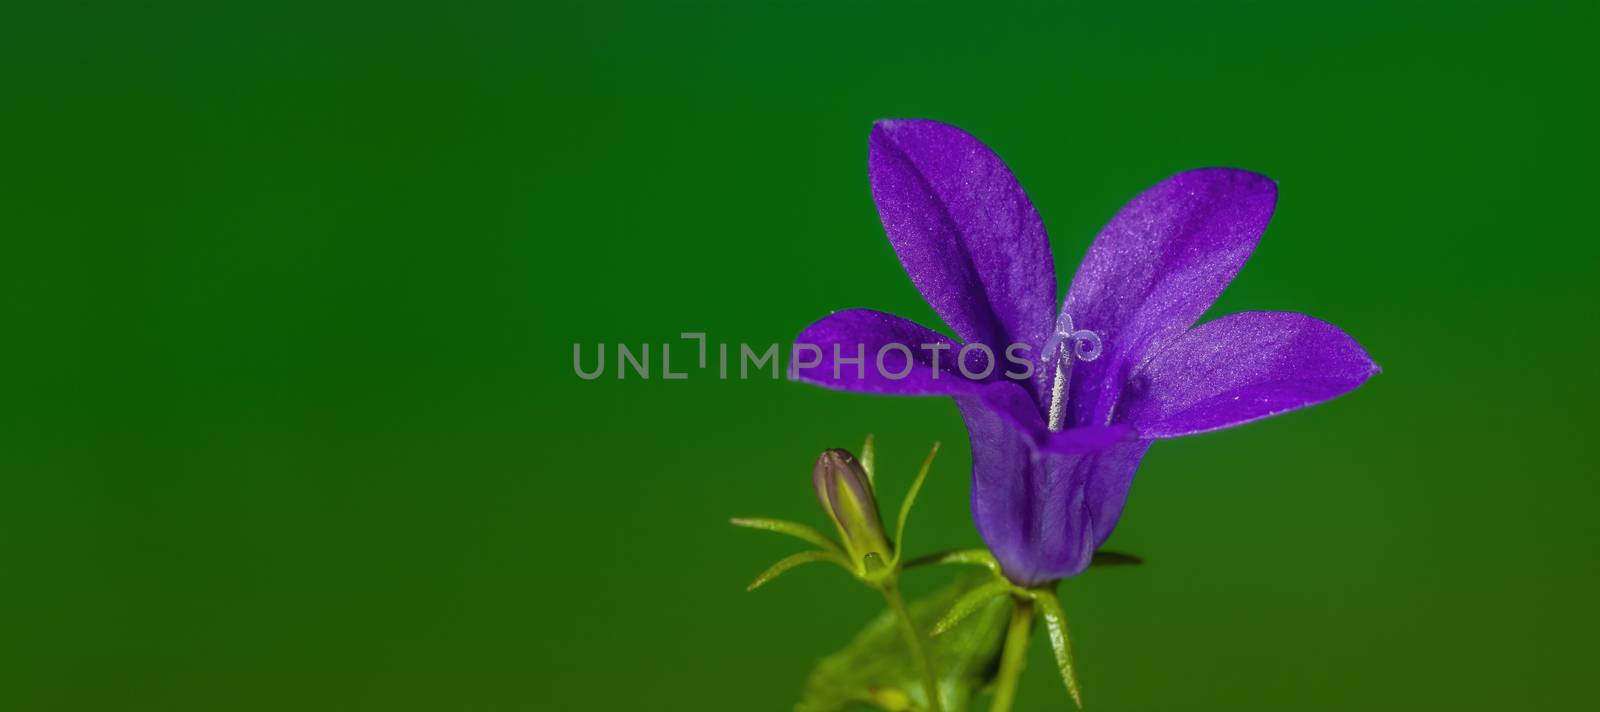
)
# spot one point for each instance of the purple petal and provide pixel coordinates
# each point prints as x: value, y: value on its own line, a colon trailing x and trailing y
x: 964, y: 230
x: 1110, y: 478
x: 1156, y: 267
x: 888, y: 346
x: 865, y: 333
x: 1239, y: 368
x: 1043, y: 515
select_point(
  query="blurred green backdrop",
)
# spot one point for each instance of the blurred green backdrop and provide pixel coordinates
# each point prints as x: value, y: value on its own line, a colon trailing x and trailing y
x: 290, y: 290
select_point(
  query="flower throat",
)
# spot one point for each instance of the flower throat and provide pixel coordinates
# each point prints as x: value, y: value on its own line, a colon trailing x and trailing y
x: 1060, y: 348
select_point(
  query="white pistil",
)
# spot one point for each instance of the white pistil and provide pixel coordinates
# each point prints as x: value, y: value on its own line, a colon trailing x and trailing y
x: 1060, y: 348
x: 1058, y: 392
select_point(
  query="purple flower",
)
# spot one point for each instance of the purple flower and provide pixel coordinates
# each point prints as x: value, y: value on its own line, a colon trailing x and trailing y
x: 1118, y: 367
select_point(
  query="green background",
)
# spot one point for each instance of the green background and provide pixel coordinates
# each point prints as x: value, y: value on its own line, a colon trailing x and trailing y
x: 288, y: 418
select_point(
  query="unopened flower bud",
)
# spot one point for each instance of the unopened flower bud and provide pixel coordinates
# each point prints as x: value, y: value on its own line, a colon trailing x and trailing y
x: 846, y: 495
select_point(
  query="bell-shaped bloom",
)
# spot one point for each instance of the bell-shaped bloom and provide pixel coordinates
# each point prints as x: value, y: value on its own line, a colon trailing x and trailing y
x: 1061, y: 403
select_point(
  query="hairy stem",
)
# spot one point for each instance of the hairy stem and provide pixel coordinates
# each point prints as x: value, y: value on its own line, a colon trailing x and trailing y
x: 919, y: 653
x: 1014, y: 656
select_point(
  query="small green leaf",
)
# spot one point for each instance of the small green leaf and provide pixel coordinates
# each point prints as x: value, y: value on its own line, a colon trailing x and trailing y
x: 789, y: 562
x: 794, y: 529
x: 911, y: 496
x: 1055, y: 620
x: 970, y: 602
x: 875, y: 670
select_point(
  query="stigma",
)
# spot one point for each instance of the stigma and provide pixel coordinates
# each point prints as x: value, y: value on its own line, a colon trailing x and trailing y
x: 1064, y: 345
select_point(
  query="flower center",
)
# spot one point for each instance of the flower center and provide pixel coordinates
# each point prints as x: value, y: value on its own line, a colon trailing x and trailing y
x: 1060, y: 349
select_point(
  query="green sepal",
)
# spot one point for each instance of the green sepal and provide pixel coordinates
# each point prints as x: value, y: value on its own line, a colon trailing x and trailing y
x: 1114, y: 558
x: 967, y: 557
x: 1055, y: 621
x: 970, y: 602
x: 794, y: 529
x: 869, y: 461
x: 911, y: 498
x: 789, y: 562
x: 874, y: 669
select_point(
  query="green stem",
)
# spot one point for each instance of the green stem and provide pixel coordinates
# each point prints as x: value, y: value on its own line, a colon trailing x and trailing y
x: 930, y: 679
x: 1014, y: 655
